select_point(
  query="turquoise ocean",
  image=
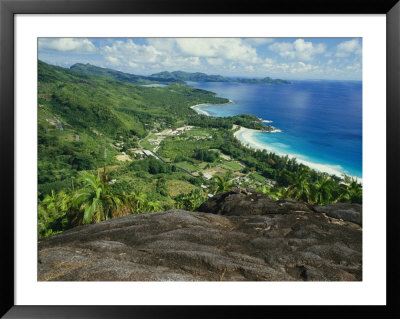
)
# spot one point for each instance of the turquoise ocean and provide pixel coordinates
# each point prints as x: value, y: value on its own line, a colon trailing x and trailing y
x: 318, y: 122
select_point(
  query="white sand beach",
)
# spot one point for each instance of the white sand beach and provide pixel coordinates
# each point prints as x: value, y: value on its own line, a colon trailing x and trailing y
x: 247, y: 138
x: 199, y: 110
x: 199, y: 107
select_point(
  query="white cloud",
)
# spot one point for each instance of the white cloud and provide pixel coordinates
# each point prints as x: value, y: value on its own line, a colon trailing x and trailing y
x: 215, y: 61
x: 299, y: 49
x: 112, y: 60
x: 188, y: 54
x: 179, y: 62
x: 258, y: 41
x: 129, y: 51
x: 285, y: 49
x: 293, y: 68
x: 347, y: 48
x: 226, y: 56
x: 354, y: 67
x: 77, y: 45
x: 303, y: 67
x: 163, y: 44
x: 249, y: 68
x: 133, y: 64
x: 226, y: 48
x: 269, y: 64
x: 150, y: 57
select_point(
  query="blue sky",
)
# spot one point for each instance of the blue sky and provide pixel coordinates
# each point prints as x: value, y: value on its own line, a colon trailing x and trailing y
x: 286, y: 58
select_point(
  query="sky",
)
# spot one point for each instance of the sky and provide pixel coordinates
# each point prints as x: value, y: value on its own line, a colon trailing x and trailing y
x: 284, y: 58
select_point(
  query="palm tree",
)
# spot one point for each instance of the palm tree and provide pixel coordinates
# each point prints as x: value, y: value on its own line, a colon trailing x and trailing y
x: 135, y: 202
x: 152, y: 206
x: 350, y: 191
x: 322, y: 190
x: 52, y: 213
x: 190, y: 201
x: 223, y: 184
x: 56, y: 202
x: 95, y: 202
x: 355, y: 192
x: 273, y: 192
x: 300, y: 189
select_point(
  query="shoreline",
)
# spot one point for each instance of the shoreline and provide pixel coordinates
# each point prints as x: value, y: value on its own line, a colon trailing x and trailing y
x: 198, y: 110
x: 198, y: 107
x: 247, y: 139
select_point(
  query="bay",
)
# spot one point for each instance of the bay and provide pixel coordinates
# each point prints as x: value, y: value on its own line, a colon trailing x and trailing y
x: 320, y: 121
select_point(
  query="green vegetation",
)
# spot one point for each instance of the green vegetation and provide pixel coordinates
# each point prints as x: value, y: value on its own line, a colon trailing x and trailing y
x: 120, y: 76
x: 94, y: 201
x: 245, y: 120
x: 205, y: 155
x: 85, y: 120
x: 222, y: 183
x: 152, y: 165
x: 95, y: 134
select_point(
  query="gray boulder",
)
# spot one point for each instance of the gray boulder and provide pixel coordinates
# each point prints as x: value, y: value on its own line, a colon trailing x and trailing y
x: 347, y: 212
x: 245, y: 202
x: 238, y: 236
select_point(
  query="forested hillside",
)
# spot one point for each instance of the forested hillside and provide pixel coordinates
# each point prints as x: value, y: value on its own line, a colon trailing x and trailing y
x: 121, y: 76
x: 80, y: 115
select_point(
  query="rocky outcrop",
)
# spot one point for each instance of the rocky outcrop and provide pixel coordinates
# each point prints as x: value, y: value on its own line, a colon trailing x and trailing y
x: 244, y: 202
x: 252, y: 238
x: 348, y: 212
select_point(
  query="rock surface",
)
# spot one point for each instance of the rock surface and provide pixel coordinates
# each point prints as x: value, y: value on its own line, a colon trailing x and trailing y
x: 255, y: 239
x: 348, y: 212
x: 244, y: 202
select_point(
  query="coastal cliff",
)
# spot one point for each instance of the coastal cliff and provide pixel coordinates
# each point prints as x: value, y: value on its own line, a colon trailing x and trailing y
x: 240, y: 235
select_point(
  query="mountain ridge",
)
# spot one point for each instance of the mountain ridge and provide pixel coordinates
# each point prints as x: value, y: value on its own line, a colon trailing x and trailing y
x: 203, y: 77
x: 166, y: 77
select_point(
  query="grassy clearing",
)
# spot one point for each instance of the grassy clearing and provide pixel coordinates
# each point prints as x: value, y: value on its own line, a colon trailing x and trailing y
x: 179, y: 123
x: 172, y: 147
x: 202, y: 165
x: 257, y: 177
x: 199, y: 132
x: 176, y: 187
x: 216, y: 170
x: 231, y: 165
x: 68, y: 137
x: 147, y: 145
x: 188, y: 166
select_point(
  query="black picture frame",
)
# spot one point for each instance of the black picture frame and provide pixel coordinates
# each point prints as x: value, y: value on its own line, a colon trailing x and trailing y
x: 9, y: 8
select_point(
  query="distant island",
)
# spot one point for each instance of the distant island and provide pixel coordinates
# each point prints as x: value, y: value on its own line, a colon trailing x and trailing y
x: 168, y: 77
x: 202, y: 77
